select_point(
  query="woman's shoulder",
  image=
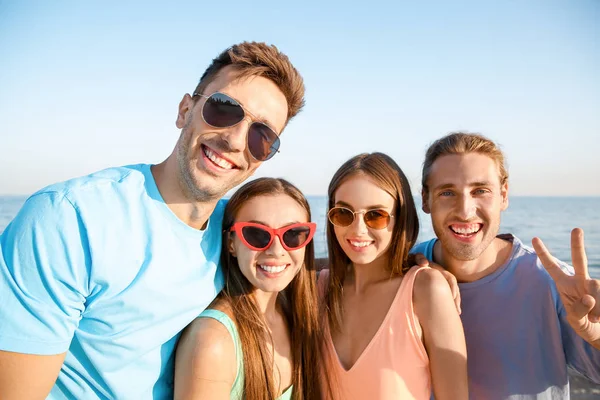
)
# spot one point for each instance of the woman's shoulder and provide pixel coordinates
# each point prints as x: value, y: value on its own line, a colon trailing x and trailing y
x: 430, y: 285
x: 209, y: 337
x: 205, y: 360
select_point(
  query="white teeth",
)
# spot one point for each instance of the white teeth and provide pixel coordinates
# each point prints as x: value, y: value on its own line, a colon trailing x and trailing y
x: 217, y: 160
x: 466, y: 231
x: 273, y: 269
x: 359, y: 244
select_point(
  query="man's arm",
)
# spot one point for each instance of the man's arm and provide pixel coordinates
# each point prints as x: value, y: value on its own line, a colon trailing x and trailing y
x: 578, y: 307
x: 43, y: 284
x: 579, y: 293
x: 27, y: 376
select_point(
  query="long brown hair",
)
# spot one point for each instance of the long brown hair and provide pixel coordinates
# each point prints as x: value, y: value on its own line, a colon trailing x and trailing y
x: 298, y: 301
x: 384, y: 171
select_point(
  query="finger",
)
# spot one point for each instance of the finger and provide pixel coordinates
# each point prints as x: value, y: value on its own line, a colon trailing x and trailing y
x: 580, y: 263
x: 593, y: 290
x: 548, y: 261
x: 582, y: 308
x: 421, y: 260
x: 457, y: 300
x: 454, y: 288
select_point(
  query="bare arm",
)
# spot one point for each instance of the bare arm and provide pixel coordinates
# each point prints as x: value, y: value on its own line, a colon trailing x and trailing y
x: 26, y: 376
x: 443, y: 335
x: 205, y: 362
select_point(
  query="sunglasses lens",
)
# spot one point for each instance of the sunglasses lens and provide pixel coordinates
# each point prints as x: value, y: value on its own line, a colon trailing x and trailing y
x: 341, y: 217
x: 256, y: 237
x: 296, y: 237
x: 377, y: 219
x: 263, y: 142
x: 222, y: 111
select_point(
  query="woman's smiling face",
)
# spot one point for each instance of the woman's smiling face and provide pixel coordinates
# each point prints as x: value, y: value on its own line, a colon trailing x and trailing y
x: 272, y: 269
x: 363, y: 244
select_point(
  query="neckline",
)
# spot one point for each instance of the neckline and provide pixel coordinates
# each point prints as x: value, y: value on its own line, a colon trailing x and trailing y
x: 154, y: 194
x: 375, y: 336
x: 515, y: 244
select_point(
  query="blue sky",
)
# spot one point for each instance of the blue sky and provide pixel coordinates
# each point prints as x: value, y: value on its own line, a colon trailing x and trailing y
x: 87, y: 85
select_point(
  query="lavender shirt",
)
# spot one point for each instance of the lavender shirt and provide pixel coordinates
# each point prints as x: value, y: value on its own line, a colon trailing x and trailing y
x: 519, y: 342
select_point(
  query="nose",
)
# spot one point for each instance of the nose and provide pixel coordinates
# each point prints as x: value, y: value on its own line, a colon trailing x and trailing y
x: 466, y: 207
x: 275, y: 249
x: 359, y: 222
x: 235, y: 136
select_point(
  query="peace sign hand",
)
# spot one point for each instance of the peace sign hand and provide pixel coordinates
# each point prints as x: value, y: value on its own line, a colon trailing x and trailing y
x: 580, y: 294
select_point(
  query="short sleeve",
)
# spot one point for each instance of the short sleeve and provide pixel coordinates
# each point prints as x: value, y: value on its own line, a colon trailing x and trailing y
x: 44, y: 269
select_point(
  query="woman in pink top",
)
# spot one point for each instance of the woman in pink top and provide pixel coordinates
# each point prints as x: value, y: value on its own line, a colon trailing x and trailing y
x: 393, y: 331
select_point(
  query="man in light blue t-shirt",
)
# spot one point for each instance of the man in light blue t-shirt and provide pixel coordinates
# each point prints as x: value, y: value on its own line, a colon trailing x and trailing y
x: 525, y: 320
x: 98, y: 275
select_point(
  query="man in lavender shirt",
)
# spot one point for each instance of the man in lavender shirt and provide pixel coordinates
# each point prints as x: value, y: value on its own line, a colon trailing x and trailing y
x: 526, y: 316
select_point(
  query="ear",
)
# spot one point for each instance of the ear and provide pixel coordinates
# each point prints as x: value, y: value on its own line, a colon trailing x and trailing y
x: 424, y: 201
x: 504, y: 194
x: 185, y: 106
x: 231, y: 246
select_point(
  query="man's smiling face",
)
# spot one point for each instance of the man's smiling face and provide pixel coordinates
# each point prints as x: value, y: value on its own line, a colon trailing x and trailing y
x: 214, y: 160
x: 465, y: 199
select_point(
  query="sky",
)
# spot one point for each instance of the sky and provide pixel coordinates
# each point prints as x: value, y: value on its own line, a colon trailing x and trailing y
x: 89, y: 85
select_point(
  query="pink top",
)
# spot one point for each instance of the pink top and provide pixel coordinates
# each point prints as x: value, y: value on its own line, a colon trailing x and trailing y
x: 394, y: 365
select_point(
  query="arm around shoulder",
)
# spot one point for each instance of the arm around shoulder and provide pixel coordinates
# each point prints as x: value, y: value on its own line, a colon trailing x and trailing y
x: 443, y: 335
x: 205, y: 362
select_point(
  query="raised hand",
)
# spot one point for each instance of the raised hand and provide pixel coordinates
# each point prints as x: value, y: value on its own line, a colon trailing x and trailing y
x: 579, y: 293
x: 421, y: 261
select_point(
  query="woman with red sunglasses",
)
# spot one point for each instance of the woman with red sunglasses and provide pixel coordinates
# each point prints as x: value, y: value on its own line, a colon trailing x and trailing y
x: 393, y: 331
x: 260, y: 339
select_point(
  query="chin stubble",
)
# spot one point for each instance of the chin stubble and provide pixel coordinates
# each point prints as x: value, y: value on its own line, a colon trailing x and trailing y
x: 187, y: 181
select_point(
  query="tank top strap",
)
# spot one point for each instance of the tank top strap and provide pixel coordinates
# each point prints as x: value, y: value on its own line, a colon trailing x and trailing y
x: 404, y: 306
x: 238, y: 385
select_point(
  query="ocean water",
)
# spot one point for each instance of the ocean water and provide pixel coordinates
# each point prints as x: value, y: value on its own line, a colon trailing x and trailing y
x: 550, y: 218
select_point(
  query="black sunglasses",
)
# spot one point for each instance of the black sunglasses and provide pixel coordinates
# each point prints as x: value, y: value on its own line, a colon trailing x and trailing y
x: 223, y: 111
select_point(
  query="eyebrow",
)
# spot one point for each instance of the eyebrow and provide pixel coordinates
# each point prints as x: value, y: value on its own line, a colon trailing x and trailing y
x: 254, y: 221
x: 372, y: 207
x: 470, y: 184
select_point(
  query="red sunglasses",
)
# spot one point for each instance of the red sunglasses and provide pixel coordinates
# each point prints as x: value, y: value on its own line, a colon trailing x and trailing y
x: 259, y: 237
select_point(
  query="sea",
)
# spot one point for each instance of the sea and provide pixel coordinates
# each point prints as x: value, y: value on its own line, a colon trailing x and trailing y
x: 549, y: 218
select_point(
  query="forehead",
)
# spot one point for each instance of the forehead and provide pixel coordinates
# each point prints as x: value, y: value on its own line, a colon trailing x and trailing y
x: 463, y: 169
x: 360, y: 191
x: 259, y: 95
x: 274, y: 210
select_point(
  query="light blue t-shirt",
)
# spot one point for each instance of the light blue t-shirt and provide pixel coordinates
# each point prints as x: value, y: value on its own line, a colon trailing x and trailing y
x: 99, y: 267
x: 519, y: 342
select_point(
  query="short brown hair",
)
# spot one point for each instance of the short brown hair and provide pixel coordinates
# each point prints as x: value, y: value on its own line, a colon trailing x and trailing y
x: 463, y: 143
x: 259, y: 59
